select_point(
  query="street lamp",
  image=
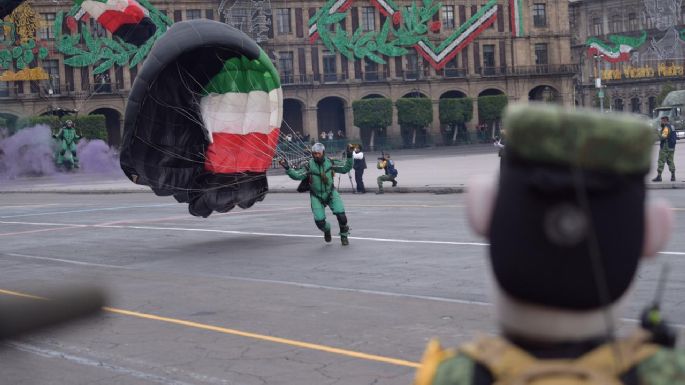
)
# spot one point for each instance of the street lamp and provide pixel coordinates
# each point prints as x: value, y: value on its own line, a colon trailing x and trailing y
x: 598, y: 82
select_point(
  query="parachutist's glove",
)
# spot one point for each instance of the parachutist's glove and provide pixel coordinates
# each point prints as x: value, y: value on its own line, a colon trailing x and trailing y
x: 284, y: 163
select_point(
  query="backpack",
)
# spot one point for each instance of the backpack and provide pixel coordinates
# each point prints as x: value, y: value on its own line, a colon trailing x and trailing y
x: 390, y: 167
x: 604, y: 365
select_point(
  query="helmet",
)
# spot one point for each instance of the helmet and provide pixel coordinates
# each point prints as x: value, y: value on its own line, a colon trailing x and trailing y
x: 69, y: 123
x: 318, y: 147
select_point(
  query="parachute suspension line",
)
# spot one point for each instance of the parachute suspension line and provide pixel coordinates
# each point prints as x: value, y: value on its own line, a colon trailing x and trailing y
x: 598, y: 270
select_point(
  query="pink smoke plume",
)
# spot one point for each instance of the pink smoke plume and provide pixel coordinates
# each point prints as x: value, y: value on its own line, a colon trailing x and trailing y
x: 30, y: 152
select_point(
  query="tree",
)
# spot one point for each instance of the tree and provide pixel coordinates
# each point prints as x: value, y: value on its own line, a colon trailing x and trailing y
x: 414, y: 115
x: 491, y: 108
x: 455, y: 113
x: 668, y: 87
x: 372, y: 116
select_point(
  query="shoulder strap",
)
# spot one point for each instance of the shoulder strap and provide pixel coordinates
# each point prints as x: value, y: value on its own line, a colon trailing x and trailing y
x: 620, y: 356
x: 501, y: 358
x: 511, y: 365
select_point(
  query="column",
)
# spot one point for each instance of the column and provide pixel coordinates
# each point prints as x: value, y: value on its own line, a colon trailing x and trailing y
x: 351, y: 131
x: 309, y: 122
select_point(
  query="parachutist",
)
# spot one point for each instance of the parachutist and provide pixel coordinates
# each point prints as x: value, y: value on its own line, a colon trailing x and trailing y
x: 319, y: 175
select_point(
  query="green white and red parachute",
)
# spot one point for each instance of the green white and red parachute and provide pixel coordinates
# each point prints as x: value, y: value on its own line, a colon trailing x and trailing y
x: 619, y: 51
x: 126, y: 19
x: 203, y: 118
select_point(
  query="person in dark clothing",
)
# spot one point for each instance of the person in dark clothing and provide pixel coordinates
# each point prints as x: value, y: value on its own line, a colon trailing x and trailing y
x: 359, y: 167
x: 666, y: 149
x: 568, y: 222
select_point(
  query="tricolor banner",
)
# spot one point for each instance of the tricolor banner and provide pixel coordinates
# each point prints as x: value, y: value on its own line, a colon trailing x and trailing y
x: 124, y: 18
x: 438, y: 56
x: 516, y: 17
x: 619, y: 51
x: 242, y: 113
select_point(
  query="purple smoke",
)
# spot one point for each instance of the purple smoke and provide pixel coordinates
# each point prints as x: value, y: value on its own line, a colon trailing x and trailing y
x: 30, y: 152
x: 96, y: 157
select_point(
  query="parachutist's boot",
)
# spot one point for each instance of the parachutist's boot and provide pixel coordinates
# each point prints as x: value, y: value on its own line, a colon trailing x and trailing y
x: 673, y: 177
x: 344, y: 232
x: 658, y: 178
x: 326, y: 228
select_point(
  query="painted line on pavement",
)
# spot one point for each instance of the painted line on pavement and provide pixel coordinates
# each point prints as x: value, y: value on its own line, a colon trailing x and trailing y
x: 240, y: 333
x: 87, y: 210
x: 297, y: 284
x: 38, y: 231
x: 49, y: 353
x: 69, y: 261
x: 28, y: 206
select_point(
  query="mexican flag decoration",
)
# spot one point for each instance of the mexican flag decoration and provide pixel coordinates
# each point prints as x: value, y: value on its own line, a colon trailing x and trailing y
x: 516, y: 17
x: 242, y: 113
x: 617, y: 52
x: 124, y: 18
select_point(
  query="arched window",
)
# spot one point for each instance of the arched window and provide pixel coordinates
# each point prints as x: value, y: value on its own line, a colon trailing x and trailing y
x: 635, y: 105
x: 618, y: 104
x: 651, y: 101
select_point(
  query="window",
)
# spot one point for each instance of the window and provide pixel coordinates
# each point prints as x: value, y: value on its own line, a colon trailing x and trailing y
x: 4, y: 89
x: 635, y: 105
x: 488, y: 59
x: 285, y: 64
x: 541, y: 57
x: 412, y: 70
x: 178, y: 16
x: 193, y: 14
x: 330, y: 72
x: 651, y: 101
x: 539, y: 15
x: 448, y: 16
x: 452, y: 68
x: 616, y: 24
x: 618, y: 104
x: 102, y: 83
x: 47, y: 31
x: 52, y: 68
x: 368, y: 18
x: 283, y: 21
x: 632, y: 22
x: 240, y: 19
x: 597, y: 29
x: 370, y: 70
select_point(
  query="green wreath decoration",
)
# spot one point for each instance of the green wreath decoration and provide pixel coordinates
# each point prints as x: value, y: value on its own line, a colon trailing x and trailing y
x: 412, y: 27
x: 22, y: 54
x: 105, y: 52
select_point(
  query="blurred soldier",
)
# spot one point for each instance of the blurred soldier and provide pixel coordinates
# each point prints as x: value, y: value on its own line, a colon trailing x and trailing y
x: 667, y: 143
x: 567, y: 223
x: 319, y: 173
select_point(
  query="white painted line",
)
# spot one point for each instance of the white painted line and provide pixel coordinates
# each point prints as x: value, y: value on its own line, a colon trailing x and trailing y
x: 69, y: 261
x: 86, y: 210
x: 49, y: 353
x: 28, y: 206
x: 316, y: 286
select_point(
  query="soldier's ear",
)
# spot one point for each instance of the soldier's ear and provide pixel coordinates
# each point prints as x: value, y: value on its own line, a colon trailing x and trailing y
x: 658, y: 226
x: 480, y: 201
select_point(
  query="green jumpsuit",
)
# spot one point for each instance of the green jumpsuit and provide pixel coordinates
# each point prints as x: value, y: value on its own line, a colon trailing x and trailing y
x: 66, y: 147
x: 322, y: 191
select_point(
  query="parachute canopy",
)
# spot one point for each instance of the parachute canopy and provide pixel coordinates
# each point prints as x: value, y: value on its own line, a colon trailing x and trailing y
x: 124, y: 18
x: 203, y: 118
x: 7, y: 6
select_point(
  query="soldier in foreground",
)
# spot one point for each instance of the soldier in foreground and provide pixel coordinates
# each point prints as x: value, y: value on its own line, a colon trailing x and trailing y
x: 568, y: 224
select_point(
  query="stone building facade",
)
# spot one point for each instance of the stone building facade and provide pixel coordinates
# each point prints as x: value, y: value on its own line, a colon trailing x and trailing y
x: 520, y: 48
x: 635, y: 46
